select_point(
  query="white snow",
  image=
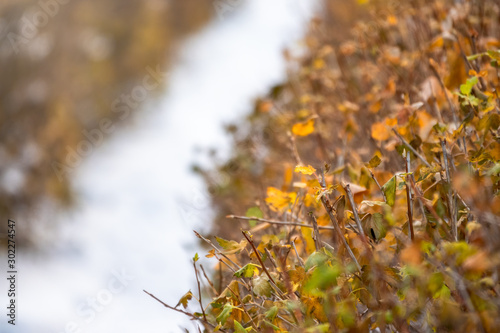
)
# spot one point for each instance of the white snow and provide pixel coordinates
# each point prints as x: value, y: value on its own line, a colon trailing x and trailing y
x: 138, y: 200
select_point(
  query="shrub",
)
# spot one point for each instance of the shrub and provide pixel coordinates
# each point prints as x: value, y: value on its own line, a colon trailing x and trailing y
x: 381, y: 159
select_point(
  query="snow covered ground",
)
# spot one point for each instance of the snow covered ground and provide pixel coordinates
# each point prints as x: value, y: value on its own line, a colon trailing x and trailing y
x: 138, y: 200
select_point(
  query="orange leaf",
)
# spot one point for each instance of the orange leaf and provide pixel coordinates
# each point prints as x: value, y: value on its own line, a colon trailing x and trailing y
x: 380, y: 132
x: 304, y: 128
x: 279, y: 200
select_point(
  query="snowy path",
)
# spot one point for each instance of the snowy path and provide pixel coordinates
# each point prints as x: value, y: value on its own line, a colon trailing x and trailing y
x: 138, y: 200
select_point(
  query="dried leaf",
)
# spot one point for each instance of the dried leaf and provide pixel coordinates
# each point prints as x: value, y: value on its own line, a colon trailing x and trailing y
x: 185, y: 299
x: 374, y: 162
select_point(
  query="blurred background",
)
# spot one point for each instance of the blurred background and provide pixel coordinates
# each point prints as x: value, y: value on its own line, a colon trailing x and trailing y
x: 105, y: 106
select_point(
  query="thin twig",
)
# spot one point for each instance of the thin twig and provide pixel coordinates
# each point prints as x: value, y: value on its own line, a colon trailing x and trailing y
x: 316, y: 238
x: 411, y: 148
x: 298, y: 224
x: 179, y: 310
x: 288, y: 284
x: 450, y: 196
x: 419, y: 195
x: 199, y: 290
x: 271, y: 280
x: 409, y: 198
x: 354, y: 210
x: 378, y: 184
x: 271, y: 259
x: 243, y: 307
x: 219, y: 251
x: 441, y: 83
x: 335, y: 223
x: 209, y: 281
x: 301, y: 262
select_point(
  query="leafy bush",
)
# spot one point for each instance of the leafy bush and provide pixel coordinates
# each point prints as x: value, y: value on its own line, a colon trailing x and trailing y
x: 381, y: 159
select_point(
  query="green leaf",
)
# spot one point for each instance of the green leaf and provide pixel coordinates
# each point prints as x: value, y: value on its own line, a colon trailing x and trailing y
x: 389, y: 190
x: 494, y: 54
x: 315, y: 259
x: 225, y: 313
x: 466, y: 88
x: 254, y: 212
x: 443, y: 293
x: 247, y: 271
x: 374, y: 162
x: 323, y: 328
x: 271, y: 325
x: 272, y: 313
x: 231, y: 247
x: 475, y: 56
x: 435, y: 283
x: 238, y: 328
x: 323, y: 277
x: 494, y: 171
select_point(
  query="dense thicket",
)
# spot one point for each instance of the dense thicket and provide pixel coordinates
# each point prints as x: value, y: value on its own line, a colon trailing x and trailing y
x: 367, y: 186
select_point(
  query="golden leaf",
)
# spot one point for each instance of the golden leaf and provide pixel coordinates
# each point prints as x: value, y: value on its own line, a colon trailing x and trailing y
x: 380, y: 132
x: 305, y: 170
x: 304, y: 128
x: 279, y: 200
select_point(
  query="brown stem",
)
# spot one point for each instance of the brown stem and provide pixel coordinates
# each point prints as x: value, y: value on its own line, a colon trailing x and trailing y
x: 209, y: 281
x: 409, y: 198
x: 216, y: 249
x: 243, y: 307
x: 316, y: 238
x: 378, y: 184
x: 441, y: 83
x: 199, y: 290
x: 301, y: 262
x: 419, y: 195
x: 411, y: 148
x: 354, y: 210
x: 271, y: 280
x: 179, y: 310
x: 336, y: 226
x: 298, y: 224
x: 450, y: 196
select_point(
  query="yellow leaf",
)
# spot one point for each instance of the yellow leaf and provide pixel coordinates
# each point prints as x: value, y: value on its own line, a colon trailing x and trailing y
x: 304, y: 128
x: 436, y: 43
x: 375, y: 107
x: 319, y: 63
x: 392, y: 20
x: 391, y: 122
x: 380, y: 132
x: 279, y: 200
x: 185, y: 299
x: 305, y: 170
x: 305, y: 99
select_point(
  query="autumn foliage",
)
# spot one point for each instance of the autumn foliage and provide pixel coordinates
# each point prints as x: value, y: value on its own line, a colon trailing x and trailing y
x: 364, y: 192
